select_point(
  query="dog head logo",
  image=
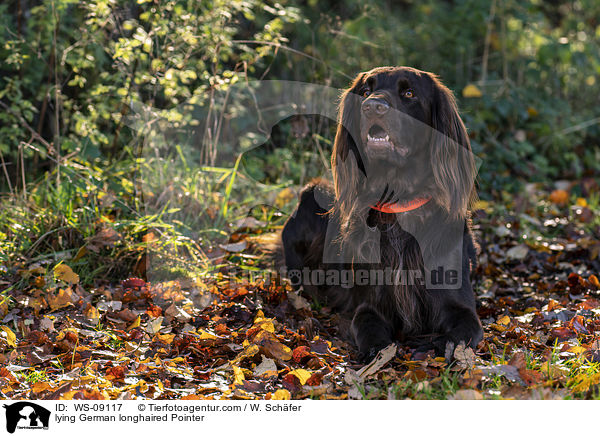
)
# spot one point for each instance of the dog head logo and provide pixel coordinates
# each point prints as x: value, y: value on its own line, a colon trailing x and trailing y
x: 26, y: 415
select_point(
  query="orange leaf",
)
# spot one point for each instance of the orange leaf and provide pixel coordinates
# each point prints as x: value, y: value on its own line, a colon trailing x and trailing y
x: 38, y: 387
x: 315, y: 379
x: 115, y: 373
x: 271, y: 347
x: 559, y: 196
x: 530, y: 376
x: 92, y: 314
x: 192, y: 397
x: 61, y: 299
x: 301, y: 353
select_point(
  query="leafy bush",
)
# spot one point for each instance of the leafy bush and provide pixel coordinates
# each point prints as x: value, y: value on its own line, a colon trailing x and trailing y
x: 72, y: 71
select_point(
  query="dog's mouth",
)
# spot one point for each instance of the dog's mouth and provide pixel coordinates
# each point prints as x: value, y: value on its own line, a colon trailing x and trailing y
x: 377, y: 136
x: 379, y: 142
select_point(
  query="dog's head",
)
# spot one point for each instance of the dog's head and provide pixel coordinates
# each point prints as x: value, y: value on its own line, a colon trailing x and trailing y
x: 401, y: 141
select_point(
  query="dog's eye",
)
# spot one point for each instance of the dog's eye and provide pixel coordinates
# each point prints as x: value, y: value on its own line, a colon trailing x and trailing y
x: 366, y: 93
x: 408, y: 93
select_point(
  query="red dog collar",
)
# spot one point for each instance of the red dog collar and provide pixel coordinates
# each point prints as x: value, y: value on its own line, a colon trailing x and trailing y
x: 401, y: 207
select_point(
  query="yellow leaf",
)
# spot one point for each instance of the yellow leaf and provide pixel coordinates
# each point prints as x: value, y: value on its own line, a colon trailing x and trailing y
x: 135, y: 323
x: 11, y: 338
x: 166, y: 338
x: 583, y: 382
x: 471, y: 91
x: 260, y: 316
x: 65, y: 273
x: 284, y: 197
x: 594, y: 281
x: 264, y: 323
x: 302, y: 374
x: 80, y: 253
x: 498, y: 327
x: 581, y: 202
x: 481, y: 205
x: 250, y: 351
x: 532, y: 111
x: 205, y: 335
x: 577, y: 349
x: 505, y: 320
x: 281, y: 394
x: 238, y: 375
x: 268, y: 326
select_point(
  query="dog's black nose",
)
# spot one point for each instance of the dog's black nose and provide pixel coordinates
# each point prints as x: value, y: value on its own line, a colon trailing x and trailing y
x: 375, y: 107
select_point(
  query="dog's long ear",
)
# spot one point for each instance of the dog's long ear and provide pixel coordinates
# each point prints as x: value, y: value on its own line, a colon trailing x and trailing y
x: 346, y: 162
x: 452, y: 160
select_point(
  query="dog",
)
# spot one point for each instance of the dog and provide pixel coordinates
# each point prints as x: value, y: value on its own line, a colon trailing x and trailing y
x: 389, y: 245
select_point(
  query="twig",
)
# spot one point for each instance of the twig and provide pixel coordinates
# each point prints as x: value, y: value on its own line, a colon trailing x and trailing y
x: 488, y: 37
x: 580, y: 126
x: 6, y: 172
x: 503, y: 44
x: 56, y: 95
x: 291, y: 50
x: 23, y: 169
x: 41, y: 238
x: 545, y: 140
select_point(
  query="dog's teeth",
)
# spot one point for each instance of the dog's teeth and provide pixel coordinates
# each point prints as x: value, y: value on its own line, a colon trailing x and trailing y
x: 370, y: 138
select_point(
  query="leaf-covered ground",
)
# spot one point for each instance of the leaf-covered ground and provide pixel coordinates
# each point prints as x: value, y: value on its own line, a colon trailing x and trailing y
x: 538, y: 294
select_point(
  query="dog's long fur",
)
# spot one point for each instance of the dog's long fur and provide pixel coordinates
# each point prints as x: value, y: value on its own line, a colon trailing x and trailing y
x: 337, y: 228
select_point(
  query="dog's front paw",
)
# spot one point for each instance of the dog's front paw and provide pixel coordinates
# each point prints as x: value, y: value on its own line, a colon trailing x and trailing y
x: 460, y: 354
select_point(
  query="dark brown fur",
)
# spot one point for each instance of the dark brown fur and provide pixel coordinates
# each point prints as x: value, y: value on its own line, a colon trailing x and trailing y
x: 335, y: 228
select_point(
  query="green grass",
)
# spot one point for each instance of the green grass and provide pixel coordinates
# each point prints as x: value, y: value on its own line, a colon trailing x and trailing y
x: 36, y: 376
x: 187, y: 211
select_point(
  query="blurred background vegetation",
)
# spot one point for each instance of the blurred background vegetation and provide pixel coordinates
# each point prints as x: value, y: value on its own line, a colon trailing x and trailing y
x: 525, y: 73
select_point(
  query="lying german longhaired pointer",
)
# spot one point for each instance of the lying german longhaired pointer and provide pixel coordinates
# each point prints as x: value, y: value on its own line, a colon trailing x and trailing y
x: 389, y: 244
